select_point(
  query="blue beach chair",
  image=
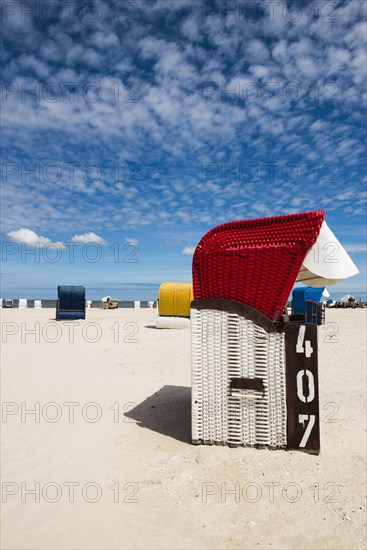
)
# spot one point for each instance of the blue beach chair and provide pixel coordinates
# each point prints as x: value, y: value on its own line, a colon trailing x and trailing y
x: 71, y: 303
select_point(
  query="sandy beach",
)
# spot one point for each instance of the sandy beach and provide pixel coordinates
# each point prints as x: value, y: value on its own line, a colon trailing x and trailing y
x: 105, y: 461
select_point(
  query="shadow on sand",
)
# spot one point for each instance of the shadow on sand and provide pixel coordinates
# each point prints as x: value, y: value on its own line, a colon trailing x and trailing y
x: 168, y: 412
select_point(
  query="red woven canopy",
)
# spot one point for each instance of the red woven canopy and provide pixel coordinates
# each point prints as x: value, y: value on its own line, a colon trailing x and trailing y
x: 255, y: 262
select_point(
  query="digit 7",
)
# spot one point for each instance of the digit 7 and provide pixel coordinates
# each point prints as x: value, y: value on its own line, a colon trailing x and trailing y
x: 301, y: 419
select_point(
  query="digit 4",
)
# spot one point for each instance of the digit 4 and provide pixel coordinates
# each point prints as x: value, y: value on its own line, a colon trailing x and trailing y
x: 307, y: 349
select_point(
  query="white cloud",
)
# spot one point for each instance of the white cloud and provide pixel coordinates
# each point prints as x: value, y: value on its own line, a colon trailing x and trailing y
x: 105, y: 40
x: 168, y: 6
x: 307, y: 66
x: 355, y: 248
x: 79, y: 54
x: 30, y: 238
x: 86, y: 238
x: 257, y: 50
x: 188, y: 250
x: 164, y: 118
x: 190, y: 27
x: 133, y: 242
x: 39, y: 67
x: 280, y: 52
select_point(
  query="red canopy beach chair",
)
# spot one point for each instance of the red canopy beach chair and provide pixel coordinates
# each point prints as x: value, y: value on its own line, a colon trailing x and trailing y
x: 254, y: 376
x: 255, y: 262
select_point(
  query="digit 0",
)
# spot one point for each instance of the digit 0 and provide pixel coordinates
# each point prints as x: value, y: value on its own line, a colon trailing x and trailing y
x: 300, y: 386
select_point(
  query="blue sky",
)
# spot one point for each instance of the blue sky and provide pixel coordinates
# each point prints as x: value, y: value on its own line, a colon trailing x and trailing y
x: 140, y: 125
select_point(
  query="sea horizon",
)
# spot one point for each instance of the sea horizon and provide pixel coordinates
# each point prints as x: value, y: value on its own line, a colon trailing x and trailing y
x: 128, y: 292
x: 139, y: 292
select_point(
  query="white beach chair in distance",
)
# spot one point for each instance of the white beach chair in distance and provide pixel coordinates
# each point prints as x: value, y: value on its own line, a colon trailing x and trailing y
x: 23, y: 303
x: 173, y: 306
x: 88, y: 303
x: 151, y: 304
x: 136, y: 304
x: 37, y: 304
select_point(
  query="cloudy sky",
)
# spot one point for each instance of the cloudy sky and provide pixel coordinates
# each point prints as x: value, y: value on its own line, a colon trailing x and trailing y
x: 132, y: 128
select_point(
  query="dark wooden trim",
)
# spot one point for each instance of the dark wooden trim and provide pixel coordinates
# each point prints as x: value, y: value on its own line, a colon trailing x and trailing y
x: 248, y: 312
x: 256, y: 384
x: 229, y: 306
x: 295, y: 363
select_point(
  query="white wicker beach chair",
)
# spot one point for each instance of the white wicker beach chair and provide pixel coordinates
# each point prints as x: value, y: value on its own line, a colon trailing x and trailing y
x: 255, y: 373
x: 238, y: 381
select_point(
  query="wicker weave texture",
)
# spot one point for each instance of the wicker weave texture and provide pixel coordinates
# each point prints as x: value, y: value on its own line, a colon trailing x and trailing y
x: 255, y: 262
x: 227, y: 346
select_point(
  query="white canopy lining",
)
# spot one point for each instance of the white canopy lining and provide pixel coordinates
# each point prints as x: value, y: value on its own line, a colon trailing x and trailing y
x: 327, y: 262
